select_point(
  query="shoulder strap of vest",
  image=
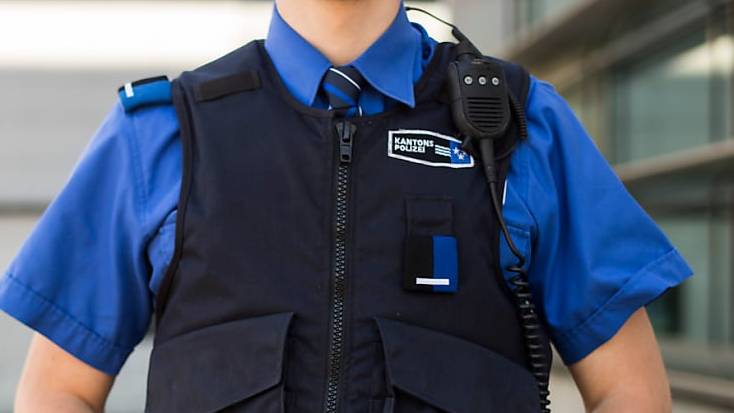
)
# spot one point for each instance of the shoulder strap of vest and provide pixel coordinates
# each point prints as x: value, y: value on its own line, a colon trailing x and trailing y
x: 227, y: 85
x: 235, y: 72
x: 145, y: 92
x: 518, y: 82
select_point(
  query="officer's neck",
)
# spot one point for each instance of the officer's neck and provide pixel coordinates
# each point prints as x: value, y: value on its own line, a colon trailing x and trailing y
x: 340, y: 29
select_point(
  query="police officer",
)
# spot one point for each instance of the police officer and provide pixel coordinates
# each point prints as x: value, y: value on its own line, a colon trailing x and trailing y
x: 311, y: 236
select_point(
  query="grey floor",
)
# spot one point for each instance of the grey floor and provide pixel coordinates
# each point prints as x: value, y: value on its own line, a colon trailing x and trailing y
x: 128, y: 393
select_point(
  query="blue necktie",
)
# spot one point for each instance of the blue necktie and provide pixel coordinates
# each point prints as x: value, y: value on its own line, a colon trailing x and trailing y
x: 342, y: 87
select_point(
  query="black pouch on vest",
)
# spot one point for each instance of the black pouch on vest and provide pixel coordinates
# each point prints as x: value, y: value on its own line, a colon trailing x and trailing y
x: 431, y: 262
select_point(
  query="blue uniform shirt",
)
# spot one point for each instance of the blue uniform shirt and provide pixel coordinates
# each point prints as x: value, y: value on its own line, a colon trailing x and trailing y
x: 87, y: 274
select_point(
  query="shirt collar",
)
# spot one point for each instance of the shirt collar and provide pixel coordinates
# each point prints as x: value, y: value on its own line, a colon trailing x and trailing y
x: 302, y: 66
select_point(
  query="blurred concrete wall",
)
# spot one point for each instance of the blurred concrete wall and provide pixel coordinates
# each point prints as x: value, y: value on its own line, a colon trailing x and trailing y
x: 61, y: 63
x: 486, y: 22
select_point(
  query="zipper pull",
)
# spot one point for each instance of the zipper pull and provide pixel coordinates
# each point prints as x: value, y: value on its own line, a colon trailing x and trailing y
x: 345, y: 131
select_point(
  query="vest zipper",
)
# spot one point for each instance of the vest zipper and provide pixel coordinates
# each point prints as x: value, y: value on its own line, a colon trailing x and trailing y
x: 345, y: 132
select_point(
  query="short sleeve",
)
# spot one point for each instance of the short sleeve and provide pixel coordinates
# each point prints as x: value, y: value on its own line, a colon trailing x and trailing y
x: 596, y: 256
x: 82, y: 277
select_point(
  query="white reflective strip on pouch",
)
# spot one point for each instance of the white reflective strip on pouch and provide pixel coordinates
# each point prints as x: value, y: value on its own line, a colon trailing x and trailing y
x: 433, y: 281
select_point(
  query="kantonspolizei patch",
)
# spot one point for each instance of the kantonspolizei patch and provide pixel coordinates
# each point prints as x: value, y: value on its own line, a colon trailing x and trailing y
x: 428, y: 148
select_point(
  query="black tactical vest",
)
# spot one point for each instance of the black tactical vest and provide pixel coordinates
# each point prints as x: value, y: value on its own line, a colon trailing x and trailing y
x: 328, y: 265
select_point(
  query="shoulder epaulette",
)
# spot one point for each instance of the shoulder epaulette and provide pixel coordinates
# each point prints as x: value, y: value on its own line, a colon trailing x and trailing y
x: 145, y: 92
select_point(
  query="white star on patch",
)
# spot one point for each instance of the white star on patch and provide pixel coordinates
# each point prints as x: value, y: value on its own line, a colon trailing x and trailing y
x: 459, y: 153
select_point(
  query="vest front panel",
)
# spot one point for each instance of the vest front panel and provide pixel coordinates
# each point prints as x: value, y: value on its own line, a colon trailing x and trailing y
x: 306, y: 283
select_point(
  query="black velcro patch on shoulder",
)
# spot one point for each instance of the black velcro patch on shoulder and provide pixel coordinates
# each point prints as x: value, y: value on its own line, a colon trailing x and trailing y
x: 217, y: 88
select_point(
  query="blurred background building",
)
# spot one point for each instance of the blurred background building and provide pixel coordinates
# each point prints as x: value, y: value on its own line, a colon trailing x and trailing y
x: 651, y: 79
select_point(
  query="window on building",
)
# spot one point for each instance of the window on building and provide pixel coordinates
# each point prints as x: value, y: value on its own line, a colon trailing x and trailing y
x: 677, y: 97
x: 530, y: 12
x: 696, y: 321
x: 700, y: 312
